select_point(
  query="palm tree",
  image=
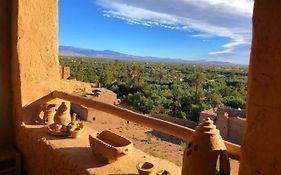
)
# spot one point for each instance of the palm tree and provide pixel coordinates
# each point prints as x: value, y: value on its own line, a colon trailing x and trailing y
x: 198, y: 81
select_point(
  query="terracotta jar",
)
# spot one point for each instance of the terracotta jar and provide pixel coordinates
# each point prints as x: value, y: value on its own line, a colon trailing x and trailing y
x: 49, y: 113
x: 62, y: 116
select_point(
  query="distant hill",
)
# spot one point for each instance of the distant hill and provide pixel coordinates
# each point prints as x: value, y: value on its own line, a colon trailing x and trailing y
x: 108, y: 54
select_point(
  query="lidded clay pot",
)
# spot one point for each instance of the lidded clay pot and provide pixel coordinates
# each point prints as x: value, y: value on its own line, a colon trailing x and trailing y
x: 62, y: 116
x: 206, y: 146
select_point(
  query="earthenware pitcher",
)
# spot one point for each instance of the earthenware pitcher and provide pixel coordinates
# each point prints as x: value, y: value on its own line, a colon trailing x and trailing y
x: 62, y: 115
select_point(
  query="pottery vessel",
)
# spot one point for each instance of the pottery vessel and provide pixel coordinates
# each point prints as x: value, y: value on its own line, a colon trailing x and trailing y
x: 163, y: 172
x: 145, y: 168
x: 49, y: 113
x: 110, y: 145
x: 56, y: 130
x: 75, y: 128
x: 62, y: 115
x: 76, y: 133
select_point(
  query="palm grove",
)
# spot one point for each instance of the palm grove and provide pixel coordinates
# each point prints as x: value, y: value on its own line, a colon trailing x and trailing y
x: 175, y: 89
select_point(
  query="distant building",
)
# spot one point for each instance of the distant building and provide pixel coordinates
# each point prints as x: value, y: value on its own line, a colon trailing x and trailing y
x: 64, y: 72
x: 231, y: 122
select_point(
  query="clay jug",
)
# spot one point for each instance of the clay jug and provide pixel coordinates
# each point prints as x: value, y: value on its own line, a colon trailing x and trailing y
x: 49, y: 113
x: 203, y: 151
x: 62, y: 116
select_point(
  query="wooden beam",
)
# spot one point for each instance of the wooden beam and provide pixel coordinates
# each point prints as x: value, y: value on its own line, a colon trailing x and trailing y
x: 144, y: 120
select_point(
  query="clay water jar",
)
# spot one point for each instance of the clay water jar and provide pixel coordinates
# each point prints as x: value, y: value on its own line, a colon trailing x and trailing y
x: 145, y: 168
x: 49, y: 113
x: 62, y: 115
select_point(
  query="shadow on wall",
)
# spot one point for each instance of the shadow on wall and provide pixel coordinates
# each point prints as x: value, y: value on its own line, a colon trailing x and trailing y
x: 85, y: 156
x: 32, y: 111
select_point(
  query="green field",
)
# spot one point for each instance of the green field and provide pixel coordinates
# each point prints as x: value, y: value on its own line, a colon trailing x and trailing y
x: 175, y: 89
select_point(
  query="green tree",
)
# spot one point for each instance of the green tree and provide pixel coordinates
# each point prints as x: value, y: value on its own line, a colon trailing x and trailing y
x: 198, y: 81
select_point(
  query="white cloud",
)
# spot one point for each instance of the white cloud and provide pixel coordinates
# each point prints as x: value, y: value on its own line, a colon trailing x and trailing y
x: 201, y: 35
x: 223, y: 18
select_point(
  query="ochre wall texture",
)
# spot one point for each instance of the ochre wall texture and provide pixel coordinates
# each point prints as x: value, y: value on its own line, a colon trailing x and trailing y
x: 37, y: 48
x: 41, y: 158
x: 5, y: 74
x: 261, y: 150
x: 36, y: 53
x: 35, y: 73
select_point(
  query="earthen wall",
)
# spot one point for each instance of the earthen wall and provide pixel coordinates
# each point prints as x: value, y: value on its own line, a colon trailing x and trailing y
x: 236, y: 129
x: 64, y: 72
x: 233, y: 112
x: 261, y: 146
x: 35, y: 74
x: 228, y: 121
x: 81, y: 111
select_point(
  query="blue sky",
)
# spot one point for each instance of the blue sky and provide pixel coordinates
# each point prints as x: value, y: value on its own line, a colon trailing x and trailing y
x: 217, y: 30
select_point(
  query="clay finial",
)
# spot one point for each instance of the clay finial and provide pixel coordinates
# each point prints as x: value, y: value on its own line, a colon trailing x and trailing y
x: 203, y: 150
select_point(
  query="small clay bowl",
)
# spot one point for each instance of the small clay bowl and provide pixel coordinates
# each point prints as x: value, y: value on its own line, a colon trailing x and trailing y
x: 145, y: 168
x: 163, y: 172
x: 76, y: 133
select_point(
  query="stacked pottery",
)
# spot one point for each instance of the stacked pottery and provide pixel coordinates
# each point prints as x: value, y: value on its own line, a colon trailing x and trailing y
x: 75, y: 127
x: 62, y: 116
x: 206, y: 146
x: 46, y: 115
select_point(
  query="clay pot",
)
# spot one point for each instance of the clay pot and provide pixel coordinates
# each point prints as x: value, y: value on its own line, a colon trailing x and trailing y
x: 76, y: 133
x: 145, y: 168
x: 62, y: 115
x: 49, y: 113
x: 55, y: 127
x: 163, y: 172
x: 72, y: 126
x: 203, y: 150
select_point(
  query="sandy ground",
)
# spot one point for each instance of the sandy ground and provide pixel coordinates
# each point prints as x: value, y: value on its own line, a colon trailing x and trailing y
x: 150, y: 141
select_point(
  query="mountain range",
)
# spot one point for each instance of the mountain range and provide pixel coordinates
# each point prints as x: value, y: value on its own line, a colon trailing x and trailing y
x: 109, y: 54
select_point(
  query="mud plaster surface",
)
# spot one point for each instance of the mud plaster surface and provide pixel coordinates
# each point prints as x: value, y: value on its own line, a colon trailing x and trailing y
x: 74, y: 156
